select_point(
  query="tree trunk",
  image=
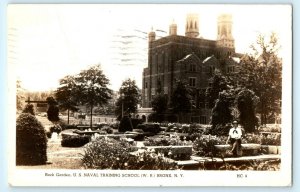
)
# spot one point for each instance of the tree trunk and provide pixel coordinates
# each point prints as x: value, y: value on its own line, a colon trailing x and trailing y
x: 68, y: 116
x: 91, y: 120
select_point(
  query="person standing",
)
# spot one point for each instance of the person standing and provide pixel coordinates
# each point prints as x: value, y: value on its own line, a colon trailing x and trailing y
x: 235, y: 138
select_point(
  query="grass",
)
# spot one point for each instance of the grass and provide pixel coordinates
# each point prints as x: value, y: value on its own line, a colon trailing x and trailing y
x: 60, y: 157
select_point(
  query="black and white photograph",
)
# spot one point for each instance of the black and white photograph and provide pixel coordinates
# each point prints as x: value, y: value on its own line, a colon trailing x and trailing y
x: 150, y: 94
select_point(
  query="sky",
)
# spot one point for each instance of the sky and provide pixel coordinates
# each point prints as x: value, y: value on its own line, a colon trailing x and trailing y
x: 48, y: 42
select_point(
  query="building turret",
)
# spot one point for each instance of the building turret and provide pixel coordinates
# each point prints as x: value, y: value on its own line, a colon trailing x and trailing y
x: 192, y: 25
x: 151, y: 36
x: 225, y: 38
x: 173, y: 28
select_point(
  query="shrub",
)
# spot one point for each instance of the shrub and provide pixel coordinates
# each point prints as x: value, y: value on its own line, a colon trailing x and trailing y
x: 271, y: 139
x: 49, y: 134
x: 31, y: 141
x: 149, y: 127
x: 125, y: 124
x: 55, y: 128
x: 75, y: 140
x: 107, y: 129
x: 204, y: 145
x: 111, y: 154
x: 221, y: 130
x: 28, y: 109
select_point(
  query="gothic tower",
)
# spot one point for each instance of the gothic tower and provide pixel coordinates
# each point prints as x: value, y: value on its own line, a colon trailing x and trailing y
x: 151, y: 36
x: 192, y: 25
x: 173, y: 28
x: 225, y: 38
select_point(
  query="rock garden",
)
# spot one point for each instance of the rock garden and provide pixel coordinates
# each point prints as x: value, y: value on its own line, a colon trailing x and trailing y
x: 147, y: 146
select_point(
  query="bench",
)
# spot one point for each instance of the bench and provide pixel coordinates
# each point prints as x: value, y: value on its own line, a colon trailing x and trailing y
x: 247, y: 148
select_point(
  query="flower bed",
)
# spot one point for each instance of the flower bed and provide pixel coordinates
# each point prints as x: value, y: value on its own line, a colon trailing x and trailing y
x: 111, y: 154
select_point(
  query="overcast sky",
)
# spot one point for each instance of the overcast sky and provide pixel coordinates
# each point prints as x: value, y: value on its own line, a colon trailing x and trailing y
x: 47, y: 42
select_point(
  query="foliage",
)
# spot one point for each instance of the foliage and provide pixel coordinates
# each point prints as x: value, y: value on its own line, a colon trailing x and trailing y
x: 107, y: 129
x: 271, y: 128
x: 19, y: 96
x: 75, y: 140
x: 125, y: 124
x: 149, y: 127
x: 272, y: 165
x: 31, y: 146
x: 263, y: 139
x: 112, y: 154
x: 271, y: 139
x: 221, y: 113
x: 53, y: 113
x: 181, y: 98
x: 91, y: 88
x: 219, y: 83
x: 28, y: 109
x: 204, y: 145
x: 55, y: 128
x: 221, y: 129
x: 129, y: 98
x: 262, y: 73
x: 66, y: 94
x: 246, y: 102
x: 166, y: 141
x: 160, y: 103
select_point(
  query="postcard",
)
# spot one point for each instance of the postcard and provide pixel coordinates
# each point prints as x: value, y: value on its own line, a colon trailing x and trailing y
x: 150, y: 94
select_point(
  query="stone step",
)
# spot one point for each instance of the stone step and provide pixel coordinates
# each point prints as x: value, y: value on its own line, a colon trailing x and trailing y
x: 236, y: 159
x: 247, y: 148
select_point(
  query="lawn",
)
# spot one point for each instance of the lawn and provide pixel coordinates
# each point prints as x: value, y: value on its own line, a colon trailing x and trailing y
x: 60, y: 157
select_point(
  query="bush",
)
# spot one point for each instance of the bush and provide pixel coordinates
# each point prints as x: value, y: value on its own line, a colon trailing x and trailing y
x: 112, y: 154
x: 28, y: 109
x: 149, y: 127
x: 55, y: 128
x: 221, y: 130
x: 53, y: 113
x: 135, y: 122
x: 107, y: 129
x: 204, y: 145
x: 125, y: 124
x: 49, y: 134
x: 75, y: 140
x: 31, y: 146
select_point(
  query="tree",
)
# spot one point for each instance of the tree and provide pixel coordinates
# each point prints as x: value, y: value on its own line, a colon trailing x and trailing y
x: 261, y: 72
x: 219, y: 83
x: 20, y: 96
x: 160, y: 103
x: 28, y: 109
x: 53, y: 111
x: 181, y: 100
x: 91, y: 88
x: 246, y: 102
x: 66, y: 94
x: 129, y: 98
x: 221, y: 113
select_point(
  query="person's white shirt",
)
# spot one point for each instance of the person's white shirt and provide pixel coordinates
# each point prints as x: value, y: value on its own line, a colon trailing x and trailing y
x: 235, y: 133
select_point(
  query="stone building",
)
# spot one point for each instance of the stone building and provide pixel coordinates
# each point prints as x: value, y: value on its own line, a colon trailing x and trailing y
x: 189, y: 58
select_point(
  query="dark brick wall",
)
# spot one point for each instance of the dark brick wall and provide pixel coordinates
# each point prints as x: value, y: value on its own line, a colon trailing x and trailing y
x: 166, y: 63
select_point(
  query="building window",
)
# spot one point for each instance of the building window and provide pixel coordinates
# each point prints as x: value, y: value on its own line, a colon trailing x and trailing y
x: 146, y: 85
x: 192, y: 81
x: 192, y: 67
